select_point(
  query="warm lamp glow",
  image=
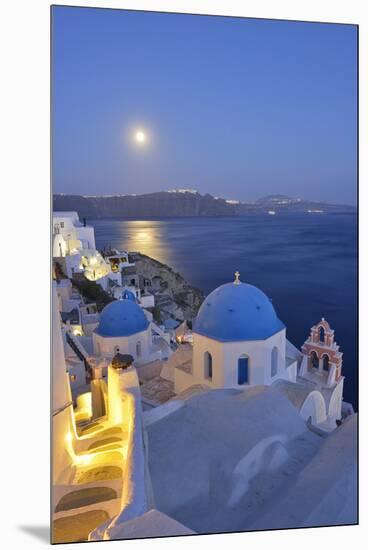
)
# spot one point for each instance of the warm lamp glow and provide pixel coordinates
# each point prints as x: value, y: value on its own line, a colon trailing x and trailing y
x: 94, y: 265
x: 83, y: 460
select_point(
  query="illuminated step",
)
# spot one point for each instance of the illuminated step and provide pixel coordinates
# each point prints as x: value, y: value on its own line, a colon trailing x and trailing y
x: 110, y: 447
x: 100, y: 430
x: 85, y: 497
x: 77, y: 528
x: 90, y: 428
x: 101, y: 473
x: 102, y: 442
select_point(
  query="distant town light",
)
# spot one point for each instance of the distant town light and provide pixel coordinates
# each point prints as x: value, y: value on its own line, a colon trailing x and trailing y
x: 192, y: 191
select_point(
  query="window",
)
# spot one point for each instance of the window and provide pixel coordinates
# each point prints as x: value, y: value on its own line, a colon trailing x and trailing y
x: 62, y: 225
x: 138, y: 349
x: 243, y: 364
x: 274, y: 361
x: 116, y: 349
x: 325, y: 362
x: 208, y: 365
x: 321, y: 334
x: 314, y: 362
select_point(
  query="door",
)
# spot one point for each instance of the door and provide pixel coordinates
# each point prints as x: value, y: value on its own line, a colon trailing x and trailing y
x: 243, y: 363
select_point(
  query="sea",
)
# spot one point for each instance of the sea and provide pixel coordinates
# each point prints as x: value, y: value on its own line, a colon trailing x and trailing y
x: 306, y: 263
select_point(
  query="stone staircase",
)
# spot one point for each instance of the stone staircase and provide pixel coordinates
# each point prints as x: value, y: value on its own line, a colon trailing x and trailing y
x: 94, y: 493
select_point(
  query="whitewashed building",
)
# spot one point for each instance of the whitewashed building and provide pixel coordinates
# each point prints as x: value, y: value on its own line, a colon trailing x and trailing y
x: 123, y: 328
x: 239, y: 342
x: 74, y: 233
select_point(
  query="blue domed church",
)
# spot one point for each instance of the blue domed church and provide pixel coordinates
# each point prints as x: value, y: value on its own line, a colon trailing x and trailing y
x: 123, y: 328
x: 238, y: 340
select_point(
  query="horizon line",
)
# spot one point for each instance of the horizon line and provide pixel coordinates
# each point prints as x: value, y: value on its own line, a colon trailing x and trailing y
x: 195, y: 192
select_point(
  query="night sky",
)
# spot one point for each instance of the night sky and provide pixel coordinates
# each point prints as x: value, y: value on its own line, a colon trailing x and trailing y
x: 238, y: 108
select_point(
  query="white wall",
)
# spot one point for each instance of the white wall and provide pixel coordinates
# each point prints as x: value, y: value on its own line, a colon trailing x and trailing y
x: 65, y: 221
x: 259, y: 353
x: 59, y: 246
x: 65, y: 227
x: 72, y: 264
x: 183, y: 380
x: 314, y: 408
x: 335, y: 404
x: 87, y: 236
x: 64, y: 289
x: 68, y: 214
x: 225, y: 360
x: 61, y: 398
x: 201, y: 345
x: 291, y: 371
x: 127, y: 344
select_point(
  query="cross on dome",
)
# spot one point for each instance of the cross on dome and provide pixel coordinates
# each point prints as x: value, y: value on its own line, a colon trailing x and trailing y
x: 237, y: 280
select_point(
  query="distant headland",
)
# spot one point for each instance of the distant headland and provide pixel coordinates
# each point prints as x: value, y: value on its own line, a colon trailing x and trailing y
x: 187, y: 203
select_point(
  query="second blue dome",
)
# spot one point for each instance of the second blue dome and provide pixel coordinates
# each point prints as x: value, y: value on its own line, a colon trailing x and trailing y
x: 122, y: 318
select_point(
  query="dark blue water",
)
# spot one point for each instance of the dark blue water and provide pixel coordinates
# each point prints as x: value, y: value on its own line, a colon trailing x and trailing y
x: 306, y: 263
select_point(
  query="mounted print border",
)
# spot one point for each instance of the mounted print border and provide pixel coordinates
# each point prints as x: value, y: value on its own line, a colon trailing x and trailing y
x: 204, y: 274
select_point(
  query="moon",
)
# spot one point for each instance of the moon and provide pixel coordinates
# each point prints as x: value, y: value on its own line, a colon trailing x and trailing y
x: 140, y: 137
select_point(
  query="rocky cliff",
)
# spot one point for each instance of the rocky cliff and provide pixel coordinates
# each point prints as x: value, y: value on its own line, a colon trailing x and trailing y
x: 174, y: 297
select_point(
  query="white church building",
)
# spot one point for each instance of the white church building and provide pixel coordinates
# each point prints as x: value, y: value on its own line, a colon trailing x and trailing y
x: 124, y: 328
x: 239, y: 342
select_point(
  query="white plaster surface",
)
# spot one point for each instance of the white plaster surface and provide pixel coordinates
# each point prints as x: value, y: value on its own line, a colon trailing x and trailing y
x: 151, y: 524
x: 183, y: 354
x: 326, y: 491
x: 226, y: 457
